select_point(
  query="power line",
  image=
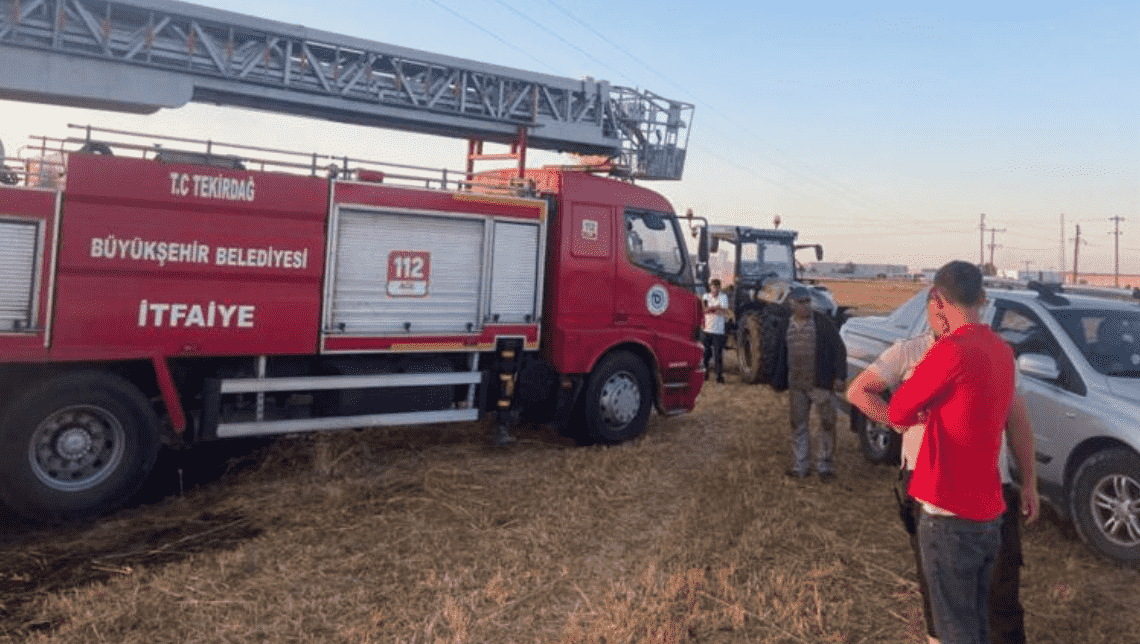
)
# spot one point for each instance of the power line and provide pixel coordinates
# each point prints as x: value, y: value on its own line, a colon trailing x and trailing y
x: 826, y: 183
x: 491, y: 34
x: 559, y: 37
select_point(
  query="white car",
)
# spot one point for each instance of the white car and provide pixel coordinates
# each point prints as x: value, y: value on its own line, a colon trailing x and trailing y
x: 1078, y: 354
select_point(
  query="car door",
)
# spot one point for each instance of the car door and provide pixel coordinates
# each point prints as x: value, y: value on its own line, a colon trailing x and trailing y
x: 1053, y: 404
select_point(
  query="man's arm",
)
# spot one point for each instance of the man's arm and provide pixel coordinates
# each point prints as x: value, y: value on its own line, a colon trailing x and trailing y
x: 938, y: 369
x: 840, y: 357
x: 1019, y: 433
x: 887, y: 371
x: 865, y: 393
x: 838, y: 349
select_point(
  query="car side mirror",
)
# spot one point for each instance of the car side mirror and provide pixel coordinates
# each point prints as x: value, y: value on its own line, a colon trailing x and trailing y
x: 1038, y: 365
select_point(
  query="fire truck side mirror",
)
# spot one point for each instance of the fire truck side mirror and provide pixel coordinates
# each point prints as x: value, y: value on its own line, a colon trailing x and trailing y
x: 703, y: 246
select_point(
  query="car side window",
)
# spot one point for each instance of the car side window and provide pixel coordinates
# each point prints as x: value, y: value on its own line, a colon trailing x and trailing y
x: 1016, y: 328
x: 1025, y: 333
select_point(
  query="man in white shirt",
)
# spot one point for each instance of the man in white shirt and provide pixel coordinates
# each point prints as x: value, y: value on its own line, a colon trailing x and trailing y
x: 716, y: 306
x: 894, y: 366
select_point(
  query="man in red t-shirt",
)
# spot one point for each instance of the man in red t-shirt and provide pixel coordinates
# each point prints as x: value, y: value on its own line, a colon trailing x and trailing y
x: 963, y: 390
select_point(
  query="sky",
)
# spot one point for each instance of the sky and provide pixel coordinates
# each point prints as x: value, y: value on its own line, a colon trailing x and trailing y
x: 882, y: 130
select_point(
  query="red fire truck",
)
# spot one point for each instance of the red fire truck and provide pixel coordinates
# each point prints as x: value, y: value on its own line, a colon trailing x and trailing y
x: 156, y: 291
x: 150, y: 301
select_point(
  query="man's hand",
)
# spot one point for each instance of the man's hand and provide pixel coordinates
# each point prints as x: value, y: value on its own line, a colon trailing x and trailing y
x: 1030, y: 503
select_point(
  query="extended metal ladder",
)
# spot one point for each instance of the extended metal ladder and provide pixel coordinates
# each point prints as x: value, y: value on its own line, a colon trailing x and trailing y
x: 143, y: 55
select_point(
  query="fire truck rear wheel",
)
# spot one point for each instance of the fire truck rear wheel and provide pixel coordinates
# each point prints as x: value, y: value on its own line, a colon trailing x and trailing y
x: 618, y: 399
x: 75, y: 446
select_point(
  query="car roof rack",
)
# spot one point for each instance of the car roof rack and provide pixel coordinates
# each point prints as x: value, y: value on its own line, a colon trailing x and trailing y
x: 1048, y: 293
x: 1051, y: 292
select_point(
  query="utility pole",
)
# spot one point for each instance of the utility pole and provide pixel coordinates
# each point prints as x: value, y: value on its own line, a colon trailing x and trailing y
x: 1027, y: 262
x: 992, y: 232
x: 982, y: 242
x: 1116, y: 234
x: 1076, y: 253
x: 1062, y: 247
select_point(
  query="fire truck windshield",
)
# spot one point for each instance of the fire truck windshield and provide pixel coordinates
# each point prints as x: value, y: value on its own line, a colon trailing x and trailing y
x: 654, y: 242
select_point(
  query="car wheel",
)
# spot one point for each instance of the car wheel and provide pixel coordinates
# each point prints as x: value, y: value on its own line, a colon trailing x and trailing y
x: 880, y: 445
x: 75, y: 445
x: 618, y: 399
x: 1105, y: 504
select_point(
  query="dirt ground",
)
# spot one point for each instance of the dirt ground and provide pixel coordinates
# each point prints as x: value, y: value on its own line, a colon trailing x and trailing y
x: 688, y: 533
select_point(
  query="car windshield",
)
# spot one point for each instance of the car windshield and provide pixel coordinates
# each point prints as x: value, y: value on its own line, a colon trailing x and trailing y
x: 766, y: 258
x: 1109, y: 339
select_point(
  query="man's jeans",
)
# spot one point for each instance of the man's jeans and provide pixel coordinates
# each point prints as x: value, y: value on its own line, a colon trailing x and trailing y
x: 958, y: 558
x: 800, y: 403
x: 714, y: 351
x: 1007, y: 617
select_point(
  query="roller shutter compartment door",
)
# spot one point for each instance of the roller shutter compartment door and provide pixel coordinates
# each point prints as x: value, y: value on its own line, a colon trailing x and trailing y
x: 362, y: 300
x: 17, y: 271
x: 514, y: 275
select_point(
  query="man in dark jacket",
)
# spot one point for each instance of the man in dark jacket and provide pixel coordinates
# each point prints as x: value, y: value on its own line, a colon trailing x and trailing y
x: 811, y: 363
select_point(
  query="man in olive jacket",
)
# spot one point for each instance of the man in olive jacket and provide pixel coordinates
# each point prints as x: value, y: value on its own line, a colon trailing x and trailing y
x: 811, y: 364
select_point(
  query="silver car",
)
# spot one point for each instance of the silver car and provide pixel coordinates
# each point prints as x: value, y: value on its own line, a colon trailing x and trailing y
x: 1078, y: 353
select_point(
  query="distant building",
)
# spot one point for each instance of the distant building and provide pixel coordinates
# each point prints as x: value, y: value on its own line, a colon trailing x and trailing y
x: 1045, y: 277
x: 856, y: 271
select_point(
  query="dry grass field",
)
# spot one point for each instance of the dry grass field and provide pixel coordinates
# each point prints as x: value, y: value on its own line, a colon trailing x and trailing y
x: 689, y: 533
x: 872, y: 297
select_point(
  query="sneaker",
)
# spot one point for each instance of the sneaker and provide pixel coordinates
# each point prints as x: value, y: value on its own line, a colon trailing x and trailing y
x: 795, y: 474
x: 720, y: 380
x: 826, y: 477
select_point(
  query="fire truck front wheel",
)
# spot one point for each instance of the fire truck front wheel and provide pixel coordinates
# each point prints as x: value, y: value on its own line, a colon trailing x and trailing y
x: 75, y: 446
x: 618, y: 399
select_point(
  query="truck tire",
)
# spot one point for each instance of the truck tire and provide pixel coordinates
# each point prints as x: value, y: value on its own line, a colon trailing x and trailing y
x: 618, y: 398
x: 75, y: 445
x: 880, y: 445
x: 1105, y: 504
x: 750, y: 348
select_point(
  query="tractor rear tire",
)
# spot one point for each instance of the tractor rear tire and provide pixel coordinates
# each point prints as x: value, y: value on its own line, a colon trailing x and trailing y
x: 750, y: 348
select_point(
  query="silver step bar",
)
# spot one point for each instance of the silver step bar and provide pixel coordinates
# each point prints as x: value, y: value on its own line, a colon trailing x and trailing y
x: 468, y: 411
x: 268, y: 427
x: 313, y: 383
